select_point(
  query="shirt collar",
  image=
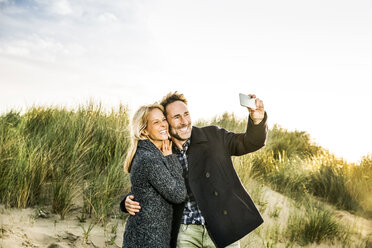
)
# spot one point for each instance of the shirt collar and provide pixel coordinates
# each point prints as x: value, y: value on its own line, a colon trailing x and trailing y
x: 185, y: 146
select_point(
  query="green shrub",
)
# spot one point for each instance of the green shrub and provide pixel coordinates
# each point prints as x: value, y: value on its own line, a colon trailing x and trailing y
x: 360, y: 183
x: 329, y: 182
x: 292, y: 143
x: 313, y: 226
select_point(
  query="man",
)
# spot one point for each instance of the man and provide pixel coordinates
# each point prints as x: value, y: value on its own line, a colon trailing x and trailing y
x: 218, y: 211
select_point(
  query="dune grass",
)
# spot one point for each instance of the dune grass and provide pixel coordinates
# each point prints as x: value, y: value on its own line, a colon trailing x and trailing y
x: 314, y: 225
x: 292, y: 164
x: 53, y: 156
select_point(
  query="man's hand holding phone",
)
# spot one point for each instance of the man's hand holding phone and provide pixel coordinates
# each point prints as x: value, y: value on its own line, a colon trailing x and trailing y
x: 255, y: 107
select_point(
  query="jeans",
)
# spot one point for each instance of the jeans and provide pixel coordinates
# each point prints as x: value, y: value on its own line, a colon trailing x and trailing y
x: 196, y: 236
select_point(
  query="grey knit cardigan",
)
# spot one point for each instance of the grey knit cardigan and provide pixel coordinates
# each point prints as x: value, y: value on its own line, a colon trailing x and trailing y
x: 156, y: 183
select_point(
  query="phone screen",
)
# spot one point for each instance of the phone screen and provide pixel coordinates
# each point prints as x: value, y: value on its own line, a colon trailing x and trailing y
x: 247, y: 101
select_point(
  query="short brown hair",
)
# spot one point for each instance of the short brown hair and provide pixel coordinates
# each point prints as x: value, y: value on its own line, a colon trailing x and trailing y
x: 170, y: 98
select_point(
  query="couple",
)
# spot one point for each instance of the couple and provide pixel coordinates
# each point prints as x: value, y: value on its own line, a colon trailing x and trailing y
x: 186, y: 193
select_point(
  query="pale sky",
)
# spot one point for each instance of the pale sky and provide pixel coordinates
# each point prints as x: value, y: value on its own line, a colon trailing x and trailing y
x: 309, y: 61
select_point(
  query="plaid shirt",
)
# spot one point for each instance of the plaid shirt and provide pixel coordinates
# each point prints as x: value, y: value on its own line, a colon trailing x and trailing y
x: 191, y: 213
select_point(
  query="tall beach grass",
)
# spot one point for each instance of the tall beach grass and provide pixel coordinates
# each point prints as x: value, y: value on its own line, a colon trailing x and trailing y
x: 54, y: 155
x: 59, y: 157
x: 293, y: 164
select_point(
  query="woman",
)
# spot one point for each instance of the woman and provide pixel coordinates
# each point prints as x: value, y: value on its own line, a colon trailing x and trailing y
x: 156, y: 179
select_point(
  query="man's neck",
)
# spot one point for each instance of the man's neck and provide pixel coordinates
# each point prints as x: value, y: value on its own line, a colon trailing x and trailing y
x: 179, y: 143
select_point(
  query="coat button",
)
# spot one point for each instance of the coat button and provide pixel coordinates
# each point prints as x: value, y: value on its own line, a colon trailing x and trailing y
x: 207, y: 175
x: 225, y: 212
x: 215, y: 193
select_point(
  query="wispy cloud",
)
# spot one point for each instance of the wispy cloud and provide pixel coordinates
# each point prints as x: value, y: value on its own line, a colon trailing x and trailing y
x: 59, y: 7
x: 80, y: 49
x: 137, y: 50
x: 62, y: 28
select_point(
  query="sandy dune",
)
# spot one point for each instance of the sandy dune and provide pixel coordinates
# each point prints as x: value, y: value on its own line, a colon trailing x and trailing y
x: 21, y: 228
x: 28, y: 227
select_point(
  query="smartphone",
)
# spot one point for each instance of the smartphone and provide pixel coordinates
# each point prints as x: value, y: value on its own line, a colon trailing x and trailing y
x: 247, y: 101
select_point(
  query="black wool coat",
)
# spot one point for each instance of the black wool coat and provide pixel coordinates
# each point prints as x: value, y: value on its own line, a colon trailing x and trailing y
x: 228, y: 209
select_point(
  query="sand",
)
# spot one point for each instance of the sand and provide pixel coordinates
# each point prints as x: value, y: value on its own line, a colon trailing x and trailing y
x: 360, y: 228
x: 26, y: 228
x: 31, y: 228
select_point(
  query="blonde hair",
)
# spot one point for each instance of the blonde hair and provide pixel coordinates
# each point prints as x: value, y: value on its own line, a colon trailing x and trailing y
x: 139, y: 123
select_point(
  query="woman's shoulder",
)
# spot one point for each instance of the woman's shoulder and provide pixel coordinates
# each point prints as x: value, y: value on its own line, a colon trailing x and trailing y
x: 147, y: 152
x: 147, y: 146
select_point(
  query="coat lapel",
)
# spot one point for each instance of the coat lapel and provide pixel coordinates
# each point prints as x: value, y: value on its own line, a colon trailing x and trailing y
x: 197, y: 147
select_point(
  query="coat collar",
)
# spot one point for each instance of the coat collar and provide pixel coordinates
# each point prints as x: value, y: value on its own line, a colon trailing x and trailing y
x: 147, y: 144
x: 198, y: 135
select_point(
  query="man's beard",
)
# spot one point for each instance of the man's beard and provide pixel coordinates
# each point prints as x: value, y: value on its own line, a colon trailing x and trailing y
x: 175, y: 135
